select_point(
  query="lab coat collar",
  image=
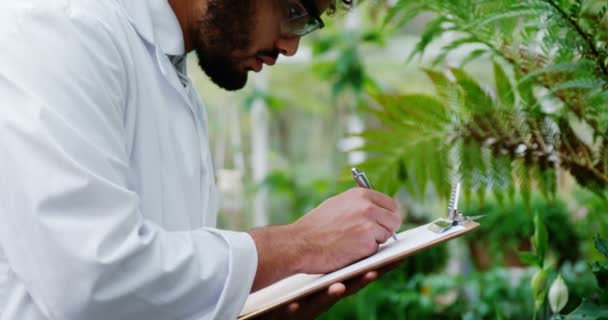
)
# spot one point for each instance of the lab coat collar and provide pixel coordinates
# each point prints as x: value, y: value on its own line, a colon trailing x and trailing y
x: 156, y: 22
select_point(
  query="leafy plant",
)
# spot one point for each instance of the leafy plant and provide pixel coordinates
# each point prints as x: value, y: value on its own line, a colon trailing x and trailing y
x: 547, y: 108
x: 558, y: 293
x: 347, y: 72
x: 592, y: 219
x: 545, y: 112
x: 600, y: 269
x: 595, y: 307
x: 496, y: 294
x: 299, y: 196
x: 506, y: 230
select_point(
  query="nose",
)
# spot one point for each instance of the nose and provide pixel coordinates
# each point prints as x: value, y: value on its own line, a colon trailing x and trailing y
x: 288, y: 46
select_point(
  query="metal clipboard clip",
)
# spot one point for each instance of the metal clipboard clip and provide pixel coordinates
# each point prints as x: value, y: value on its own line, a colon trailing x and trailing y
x: 455, y: 217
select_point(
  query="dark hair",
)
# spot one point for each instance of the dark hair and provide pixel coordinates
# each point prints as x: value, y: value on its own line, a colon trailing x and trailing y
x: 346, y: 4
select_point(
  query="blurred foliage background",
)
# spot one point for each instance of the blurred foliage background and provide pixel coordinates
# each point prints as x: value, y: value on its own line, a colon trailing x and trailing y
x: 508, y: 97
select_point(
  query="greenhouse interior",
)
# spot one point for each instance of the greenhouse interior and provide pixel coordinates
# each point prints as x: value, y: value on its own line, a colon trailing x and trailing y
x: 507, y: 98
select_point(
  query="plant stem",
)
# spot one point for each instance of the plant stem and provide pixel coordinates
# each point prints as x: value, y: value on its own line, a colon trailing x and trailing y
x: 583, y: 34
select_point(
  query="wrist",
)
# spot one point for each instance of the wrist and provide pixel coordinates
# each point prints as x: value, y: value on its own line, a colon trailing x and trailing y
x: 296, y: 241
x: 279, y: 253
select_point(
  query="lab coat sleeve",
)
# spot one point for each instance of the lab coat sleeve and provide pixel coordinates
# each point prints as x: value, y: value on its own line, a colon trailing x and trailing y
x: 70, y: 227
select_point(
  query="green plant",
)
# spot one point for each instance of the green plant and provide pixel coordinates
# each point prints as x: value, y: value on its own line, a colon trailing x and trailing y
x: 400, y: 294
x: 555, y: 293
x: 347, y: 72
x: 594, y: 306
x: 299, y: 196
x: 505, y: 229
x: 600, y: 269
x: 547, y: 108
x: 495, y: 294
x: 592, y: 219
x: 546, y: 111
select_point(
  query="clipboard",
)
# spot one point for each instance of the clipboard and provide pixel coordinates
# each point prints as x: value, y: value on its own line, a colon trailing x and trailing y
x: 299, y: 286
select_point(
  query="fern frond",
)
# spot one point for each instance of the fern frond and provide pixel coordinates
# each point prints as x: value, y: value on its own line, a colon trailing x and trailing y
x: 582, y: 84
x: 506, y: 93
x: 506, y: 136
x: 474, y: 55
x: 433, y: 31
x: 454, y: 45
x: 558, y: 68
x: 476, y: 99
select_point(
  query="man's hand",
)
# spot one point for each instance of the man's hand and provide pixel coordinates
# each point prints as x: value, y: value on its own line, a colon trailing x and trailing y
x: 315, y: 304
x: 342, y: 230
x: 345, y: 229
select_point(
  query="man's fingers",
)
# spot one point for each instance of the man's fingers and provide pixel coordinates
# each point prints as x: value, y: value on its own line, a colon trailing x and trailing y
x: 336, y: 290
x: 381, y: 234
x: 382, y: 200
x: 370, y: 276
x: 312, y: 306
x: 385, y: 210
x: 356, y: 284
x: 293, y: 307
x: 389, y: 220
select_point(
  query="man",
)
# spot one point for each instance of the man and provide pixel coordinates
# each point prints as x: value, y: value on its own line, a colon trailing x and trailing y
x: 107, y: 196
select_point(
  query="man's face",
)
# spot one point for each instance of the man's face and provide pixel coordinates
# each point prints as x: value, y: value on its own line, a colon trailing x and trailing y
x: 238, y: 36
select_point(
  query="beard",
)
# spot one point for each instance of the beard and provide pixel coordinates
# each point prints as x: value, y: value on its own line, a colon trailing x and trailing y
x: 224, y: 29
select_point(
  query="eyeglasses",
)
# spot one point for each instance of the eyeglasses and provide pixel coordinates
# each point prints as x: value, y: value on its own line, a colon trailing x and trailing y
x: 301, y: 18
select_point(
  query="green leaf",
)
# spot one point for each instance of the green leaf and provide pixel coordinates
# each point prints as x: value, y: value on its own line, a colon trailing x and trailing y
x: 515, y: 12
x: 498, y: 315
x: 540, y: 238
x: 585, y: 84
x: 432, y: 31
x: 503, y: 86
x: 472, y: 169
x: 411, y: 146
x: 444, y: 87
x: 450, y: 47
x: 588, y: 311
x: 273, y: 103
x: 401, y: 13
x: 529, y: 258
x: 601, y: 245
x: 373, y: 36
x: 546, y: 180
x: 501, y: 176
x: 324, y: 45
x: 423, y: 112
x: 529, y: 100
x: 386, y: 118
x: 475, y: 54
x: 525, y: 182
x: 476, y: 99
x: 600, y: 270
x: 559, y: 68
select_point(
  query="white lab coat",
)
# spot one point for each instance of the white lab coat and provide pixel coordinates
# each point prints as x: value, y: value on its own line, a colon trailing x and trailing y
x: 107, y: 196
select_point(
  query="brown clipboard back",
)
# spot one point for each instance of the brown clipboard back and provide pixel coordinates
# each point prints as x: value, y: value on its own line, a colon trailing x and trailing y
x: 298, y: 286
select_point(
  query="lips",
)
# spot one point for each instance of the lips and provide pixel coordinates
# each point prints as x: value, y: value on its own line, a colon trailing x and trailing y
x: 261, y: 60
x: 267, y: 60
x: 259, y: 64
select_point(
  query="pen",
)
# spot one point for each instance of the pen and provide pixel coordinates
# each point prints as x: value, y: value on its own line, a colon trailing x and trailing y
x: 363, y: 182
